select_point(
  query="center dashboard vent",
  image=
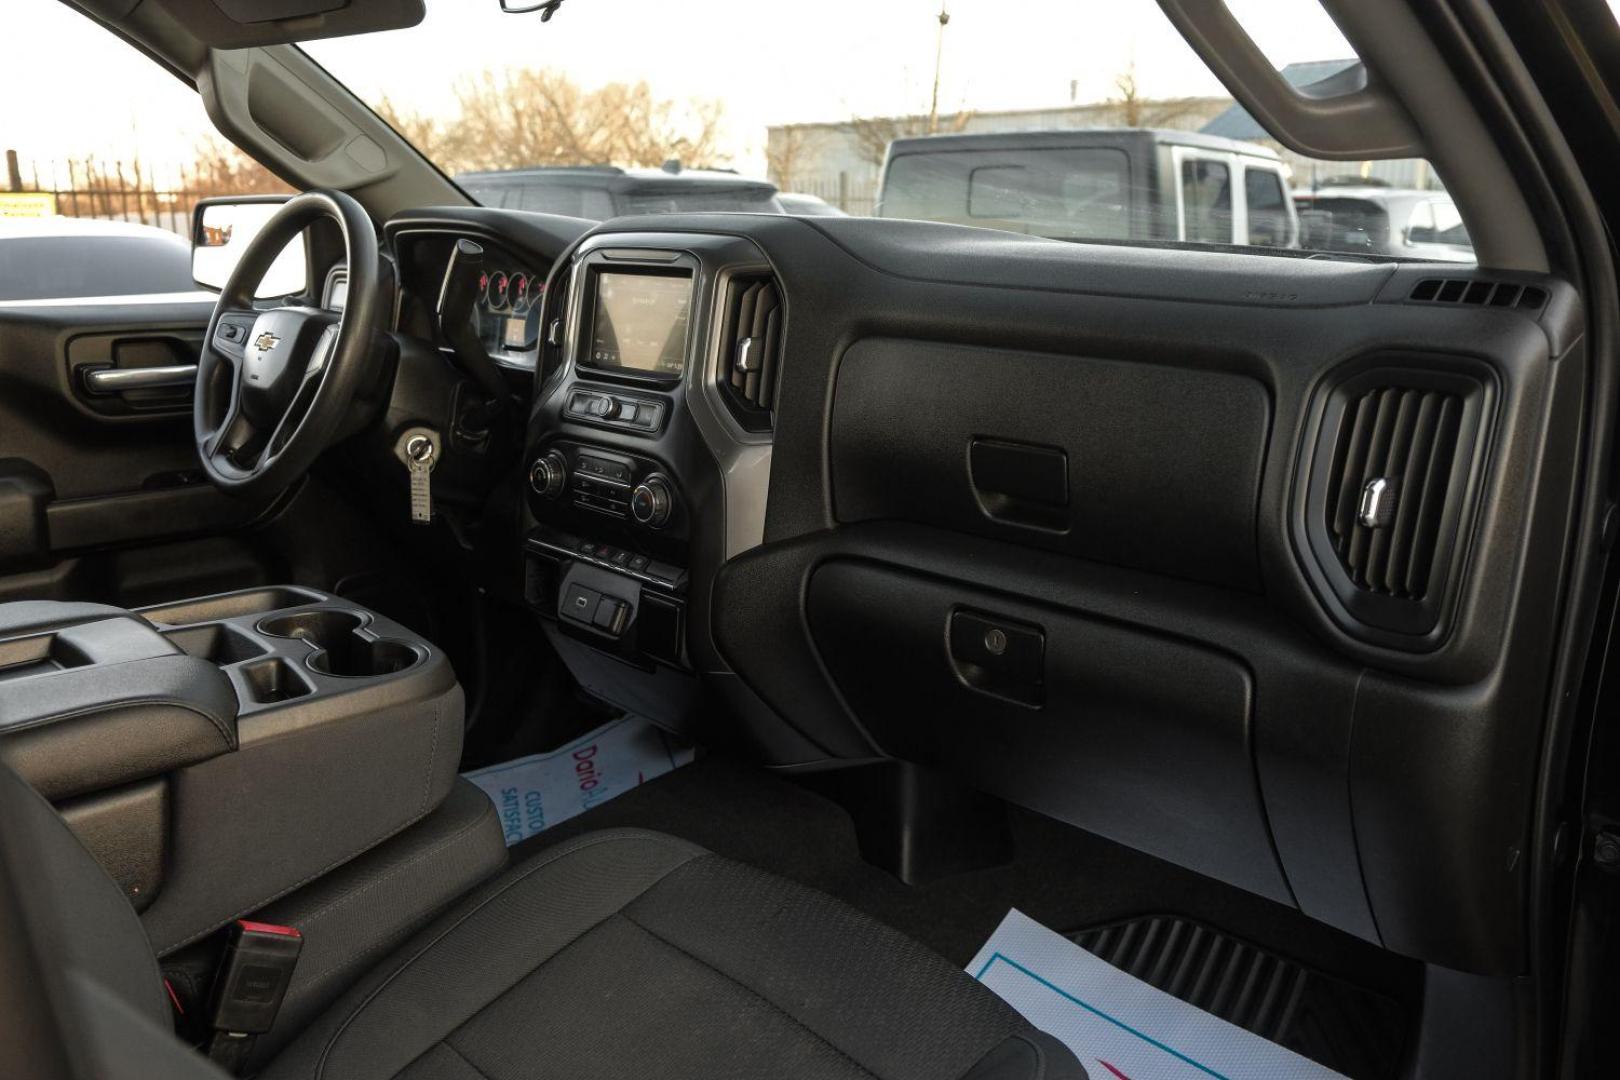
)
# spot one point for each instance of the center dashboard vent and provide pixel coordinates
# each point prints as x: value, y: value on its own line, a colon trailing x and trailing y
x: 751, y: 349
x: 1391, y: 486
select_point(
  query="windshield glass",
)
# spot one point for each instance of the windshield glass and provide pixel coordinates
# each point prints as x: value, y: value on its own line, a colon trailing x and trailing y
x: 1040, y: 117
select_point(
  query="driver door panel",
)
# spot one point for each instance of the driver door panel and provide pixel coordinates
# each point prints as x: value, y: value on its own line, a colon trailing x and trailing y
x: 101, y: 495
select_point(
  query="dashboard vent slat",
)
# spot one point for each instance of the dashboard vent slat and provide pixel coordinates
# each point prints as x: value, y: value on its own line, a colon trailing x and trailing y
x: 1398, y: 445
x: 750, y: 350
x: 1478, y: 293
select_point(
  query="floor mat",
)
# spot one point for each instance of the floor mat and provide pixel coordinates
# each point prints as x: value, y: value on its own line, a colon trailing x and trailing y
x: 1119, y: 1025
x: 1353, y: 1031
x: 534, y: 793
x: 1061, y: 876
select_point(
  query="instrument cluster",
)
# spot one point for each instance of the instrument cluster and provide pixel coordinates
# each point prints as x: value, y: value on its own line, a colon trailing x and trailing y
x: 509, y: 310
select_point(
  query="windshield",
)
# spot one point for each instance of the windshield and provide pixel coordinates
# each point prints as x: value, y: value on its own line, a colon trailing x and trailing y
x: 1039, y: 117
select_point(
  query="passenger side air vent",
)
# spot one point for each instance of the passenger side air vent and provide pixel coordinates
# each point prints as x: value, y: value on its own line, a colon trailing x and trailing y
x: 751, y: 349
x: 1391, y: 484
x: 1504, y: 294
x: 1391, y: 474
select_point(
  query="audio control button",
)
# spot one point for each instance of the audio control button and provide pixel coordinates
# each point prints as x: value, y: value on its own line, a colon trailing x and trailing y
x: 548, y: 475
x: 652, y: 503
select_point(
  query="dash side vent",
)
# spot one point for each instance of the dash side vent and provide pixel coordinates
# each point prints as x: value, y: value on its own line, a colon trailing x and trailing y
x: 1390, y: 484
x: 1476, y: 293
x: 751, y: 349
x: 1397, y: 468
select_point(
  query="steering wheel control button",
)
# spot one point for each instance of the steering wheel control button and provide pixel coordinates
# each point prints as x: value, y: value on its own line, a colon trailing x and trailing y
x: 652, y: 503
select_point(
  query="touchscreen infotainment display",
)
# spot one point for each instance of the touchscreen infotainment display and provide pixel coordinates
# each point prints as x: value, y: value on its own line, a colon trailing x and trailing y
x: 640, y: 322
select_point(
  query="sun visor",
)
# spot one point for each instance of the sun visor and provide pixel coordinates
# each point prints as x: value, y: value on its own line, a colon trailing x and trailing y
x: 240, y: 24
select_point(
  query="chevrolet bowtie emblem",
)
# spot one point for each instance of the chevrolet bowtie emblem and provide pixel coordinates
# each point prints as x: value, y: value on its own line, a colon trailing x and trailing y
x: 265, y: 341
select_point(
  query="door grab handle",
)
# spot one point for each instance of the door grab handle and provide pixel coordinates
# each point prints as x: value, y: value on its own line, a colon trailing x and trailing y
x: 117, y: 380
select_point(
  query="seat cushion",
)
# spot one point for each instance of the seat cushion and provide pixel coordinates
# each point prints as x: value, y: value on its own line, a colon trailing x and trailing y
x: 629, y: 954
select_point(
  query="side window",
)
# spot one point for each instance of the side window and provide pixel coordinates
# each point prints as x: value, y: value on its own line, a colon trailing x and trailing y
x: 91, y: 204
x: 999, y: 191
x: 1066, y: 193
x: 1206, y: 201
x: 1268, y: 208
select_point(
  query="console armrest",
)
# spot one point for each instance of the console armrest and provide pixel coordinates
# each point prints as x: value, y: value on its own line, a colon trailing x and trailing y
x: 98, y: 726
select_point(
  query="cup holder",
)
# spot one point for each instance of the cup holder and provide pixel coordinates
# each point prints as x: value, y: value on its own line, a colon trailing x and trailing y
x: 355, y: 657
x: 322, y: 629
x: 337, y: 647
x: 270, y: 682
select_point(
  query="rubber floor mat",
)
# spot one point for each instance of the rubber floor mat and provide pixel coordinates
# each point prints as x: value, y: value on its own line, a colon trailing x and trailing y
x: 1350, y: 1030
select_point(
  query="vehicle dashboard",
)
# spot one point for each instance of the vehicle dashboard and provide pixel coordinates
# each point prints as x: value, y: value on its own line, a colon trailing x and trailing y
x: 800, y: 471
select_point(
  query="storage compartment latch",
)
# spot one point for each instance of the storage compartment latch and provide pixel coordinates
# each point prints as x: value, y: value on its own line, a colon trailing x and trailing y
x: 999, y: 657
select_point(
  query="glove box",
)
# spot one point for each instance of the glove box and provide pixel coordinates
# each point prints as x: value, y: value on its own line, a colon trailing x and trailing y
x: 1134, y: 735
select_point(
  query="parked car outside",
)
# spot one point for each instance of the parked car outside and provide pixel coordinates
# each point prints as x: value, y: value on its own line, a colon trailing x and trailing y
x: 1095, y: 184
x: 600, y: 192
x: 64, y: 257
x: 1373, y: 220
x: 802, y: 205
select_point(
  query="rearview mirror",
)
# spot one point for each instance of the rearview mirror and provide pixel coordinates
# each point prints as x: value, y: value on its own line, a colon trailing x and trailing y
x: 546, y: 8
x: 222, y: 229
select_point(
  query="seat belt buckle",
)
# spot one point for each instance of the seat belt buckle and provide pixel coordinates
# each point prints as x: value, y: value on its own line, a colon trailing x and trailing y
x: 253, y: 978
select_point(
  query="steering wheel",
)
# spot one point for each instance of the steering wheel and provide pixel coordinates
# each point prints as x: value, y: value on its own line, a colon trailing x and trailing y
x: 275, y: 386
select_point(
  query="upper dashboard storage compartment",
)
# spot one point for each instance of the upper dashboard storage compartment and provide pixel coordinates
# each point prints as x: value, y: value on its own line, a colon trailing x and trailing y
x: 1137, y: 465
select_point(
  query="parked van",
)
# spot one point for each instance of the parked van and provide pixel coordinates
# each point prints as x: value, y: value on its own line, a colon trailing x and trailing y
x: 1095, y: 184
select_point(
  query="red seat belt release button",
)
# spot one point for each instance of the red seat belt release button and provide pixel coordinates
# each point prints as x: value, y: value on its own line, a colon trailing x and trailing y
x: 253, y: 976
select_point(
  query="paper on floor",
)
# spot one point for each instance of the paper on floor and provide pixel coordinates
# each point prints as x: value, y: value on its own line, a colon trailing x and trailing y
x: 1120, y: 1027
x: 536, y: 792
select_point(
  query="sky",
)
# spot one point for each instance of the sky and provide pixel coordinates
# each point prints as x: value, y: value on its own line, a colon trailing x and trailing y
x: 769, y: 62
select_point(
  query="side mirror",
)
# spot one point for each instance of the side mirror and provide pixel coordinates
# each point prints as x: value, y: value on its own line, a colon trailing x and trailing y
x: 221, y: 230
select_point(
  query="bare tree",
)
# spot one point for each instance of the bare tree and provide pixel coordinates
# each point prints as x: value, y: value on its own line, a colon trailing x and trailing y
x: 1133, y: 110
x: 426, y: 133
x: 219, y: 168
x: 785, y: 151
x: 873, y: 134
x: 535, y: 116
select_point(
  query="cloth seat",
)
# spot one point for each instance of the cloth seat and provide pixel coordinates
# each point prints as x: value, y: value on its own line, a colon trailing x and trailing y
x: 632, y: 954
x: 622, y: 954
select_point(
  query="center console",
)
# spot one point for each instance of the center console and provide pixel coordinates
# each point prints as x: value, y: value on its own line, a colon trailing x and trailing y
x: 632, y: 465
x: 218, y: 753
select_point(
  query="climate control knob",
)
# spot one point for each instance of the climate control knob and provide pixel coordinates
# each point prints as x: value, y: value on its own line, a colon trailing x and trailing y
x: 549, y: 475
x: 652, y: 502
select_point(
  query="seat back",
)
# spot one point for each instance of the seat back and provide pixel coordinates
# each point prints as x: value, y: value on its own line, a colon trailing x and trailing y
x: 88, y: 998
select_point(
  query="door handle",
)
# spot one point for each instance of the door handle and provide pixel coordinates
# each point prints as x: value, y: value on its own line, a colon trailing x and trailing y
x: 118, y: 380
